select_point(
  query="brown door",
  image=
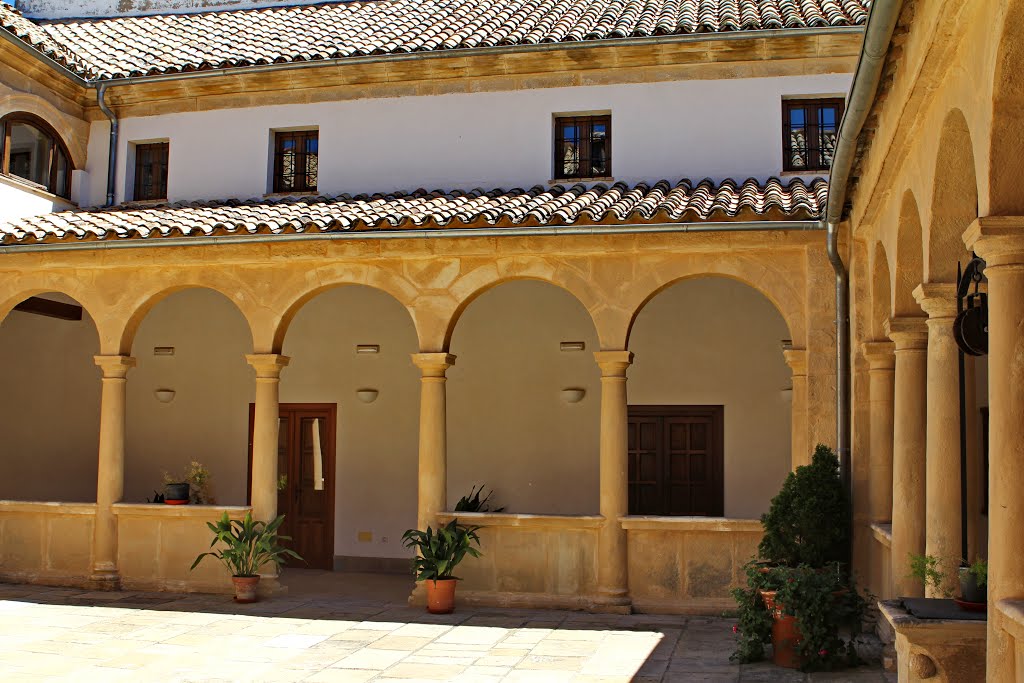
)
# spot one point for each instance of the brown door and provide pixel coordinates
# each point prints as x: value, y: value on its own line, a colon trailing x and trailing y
x: 676, y: 460
x: 305, y: 492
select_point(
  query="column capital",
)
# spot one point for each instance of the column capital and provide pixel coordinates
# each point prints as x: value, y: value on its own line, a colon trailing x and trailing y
x: 613, y: 363
x: 937, y: 299
x: 433, y: 364
x: 796, y: 359
x: 114, y: 367
x: 997, y: 239
x: 267, y: 365
x: 881, y: 355
x: 909, y: 332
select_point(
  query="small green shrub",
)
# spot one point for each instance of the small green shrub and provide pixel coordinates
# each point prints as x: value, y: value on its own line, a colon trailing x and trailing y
x: 980, y: 570
x: 473, y: 503
x: 440, y: 552
x: 925, y: 568
x: 248, y: 545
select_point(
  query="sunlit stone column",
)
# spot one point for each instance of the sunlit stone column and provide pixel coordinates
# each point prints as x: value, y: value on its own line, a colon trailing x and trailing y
x: 433, y: 467
x: 881, y: 359
x: 908, y: 466
x: 110, y: 479
x: 266, y: 419
x: 796, y: 359
x: 1000, y: 241
x: 942, y: 495
x: 612, y: 567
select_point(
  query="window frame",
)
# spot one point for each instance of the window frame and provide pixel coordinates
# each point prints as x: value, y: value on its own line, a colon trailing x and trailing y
x: 811, y: 105
x: 155, y: 194
x: 277, y: 160
x: 589, y: 120
x: 55, y: 148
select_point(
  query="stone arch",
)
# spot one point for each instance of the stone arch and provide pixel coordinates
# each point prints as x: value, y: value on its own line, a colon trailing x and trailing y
x: 73, y: 132
x: 881, y: 291
x: 909, y: 270
x: 954, y: 202
x: 1006, y: 142
x: 31, y: 284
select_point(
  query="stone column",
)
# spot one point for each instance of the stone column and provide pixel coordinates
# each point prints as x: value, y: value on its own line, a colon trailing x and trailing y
x: 433, y: 468
x: 796, y: 359
x: 266, y: 419
x: 1000, y: 241
x: 110, y: 479
x: 612, y: 568
x: 881, y: 377
x: 942, y: 496
x: 908, y: 467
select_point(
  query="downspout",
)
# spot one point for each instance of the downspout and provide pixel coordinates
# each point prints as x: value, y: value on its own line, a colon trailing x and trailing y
x: 877, y: 35
x: 101, y: 91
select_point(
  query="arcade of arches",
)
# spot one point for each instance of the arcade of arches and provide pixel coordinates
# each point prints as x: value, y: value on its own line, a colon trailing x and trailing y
x: 419, y: 377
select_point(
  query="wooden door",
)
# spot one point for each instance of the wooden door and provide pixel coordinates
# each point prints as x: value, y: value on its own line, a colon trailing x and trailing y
x: 305, y: 466
x: 676, y: 460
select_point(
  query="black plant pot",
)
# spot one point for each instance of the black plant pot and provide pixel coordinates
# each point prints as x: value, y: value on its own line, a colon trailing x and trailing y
x: 970, y: 591
x: 176, y: 494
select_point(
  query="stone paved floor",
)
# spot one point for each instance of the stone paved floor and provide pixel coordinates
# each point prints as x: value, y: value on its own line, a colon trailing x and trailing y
x: 363, y: 632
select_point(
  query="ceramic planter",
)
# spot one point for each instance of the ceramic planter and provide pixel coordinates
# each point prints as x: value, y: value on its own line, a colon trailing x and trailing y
x: 176, y: 494
x: 245, y: 588
x: 441, y: 596
x: 786, y: 636
x: 970, y: 591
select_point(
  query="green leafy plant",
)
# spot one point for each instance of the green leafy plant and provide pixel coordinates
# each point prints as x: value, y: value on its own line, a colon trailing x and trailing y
x: 248, y: 545
x: 754, y: 622
x: 197, y: 476
x: 440, y: 552
x: 926, y: 569
x: 980, y: 570
x: 808, y: 522
x: 473, y: 503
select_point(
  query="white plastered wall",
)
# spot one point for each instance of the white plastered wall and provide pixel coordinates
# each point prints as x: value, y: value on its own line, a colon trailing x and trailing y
x: 508, y: 426
x: 377, y: 443
x: 714, y: 341
x: 466, y: 141
x: 49, y: 407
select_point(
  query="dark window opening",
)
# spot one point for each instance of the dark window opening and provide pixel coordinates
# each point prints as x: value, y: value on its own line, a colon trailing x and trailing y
x: 583, y: 147
x: 295, y: 161
x: 809, y: 132
x: 31, y: 150
x: 151, y: 171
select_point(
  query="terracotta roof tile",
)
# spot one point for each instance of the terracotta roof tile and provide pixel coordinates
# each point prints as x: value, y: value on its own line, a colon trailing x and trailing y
x: 661, y: 202
x: 132, y: 46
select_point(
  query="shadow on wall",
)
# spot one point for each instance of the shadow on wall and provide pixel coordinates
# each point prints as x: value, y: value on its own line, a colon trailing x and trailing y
x: 716, y: 341
x: 49, y: 406
x: 207, y: 420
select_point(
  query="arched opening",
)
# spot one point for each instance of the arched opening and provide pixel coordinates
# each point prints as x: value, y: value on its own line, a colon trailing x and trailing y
x: 192, y: 344
x: 1006, y: 140
x: 709, y: 346
x: 524, y: 401
x: 50, y: 401
x: 32, y: 150
x: 881, y: 288
x: 954, y: 200
x: 909, y: 259
x: 350, y: 349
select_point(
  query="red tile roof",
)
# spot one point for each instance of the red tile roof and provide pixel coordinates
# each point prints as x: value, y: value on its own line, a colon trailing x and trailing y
x: 132, y: 46
x: 661, y: 202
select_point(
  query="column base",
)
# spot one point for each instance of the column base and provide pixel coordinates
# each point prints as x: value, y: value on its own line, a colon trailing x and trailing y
x: 418, y: 597
x: 104, y: 580
x: 616, y: 602
x: 270, y: 585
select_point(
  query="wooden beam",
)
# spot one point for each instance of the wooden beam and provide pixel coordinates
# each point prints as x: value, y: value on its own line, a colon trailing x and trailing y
x: 50, y: 308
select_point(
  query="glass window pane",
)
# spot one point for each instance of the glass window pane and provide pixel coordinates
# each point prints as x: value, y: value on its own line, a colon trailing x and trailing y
x: 63, y: 186
x: 30, y: 153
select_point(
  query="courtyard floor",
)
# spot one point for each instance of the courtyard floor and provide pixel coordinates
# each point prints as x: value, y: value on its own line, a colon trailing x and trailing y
x: 353, y: 627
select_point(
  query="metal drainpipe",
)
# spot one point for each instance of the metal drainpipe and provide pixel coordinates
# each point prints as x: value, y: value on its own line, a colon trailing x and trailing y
x: 877, y: 35
x: 101, y: 91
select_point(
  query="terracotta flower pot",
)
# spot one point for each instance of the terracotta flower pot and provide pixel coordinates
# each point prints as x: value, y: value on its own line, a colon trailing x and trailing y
x: 786, y: 636
x: 441, y: 596
x: 245, y: 588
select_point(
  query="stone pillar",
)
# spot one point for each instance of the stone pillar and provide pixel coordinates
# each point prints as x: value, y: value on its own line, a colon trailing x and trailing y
x: 110, y: 479
x: 1000, y: 241
x: 908, y: 467
x: 881, y: 377
x: 975, y: 464
x: 612, y: 568
x: 796, y: 359
x: 266, y: 419
x: 942, y: 496
x: 433, y: 468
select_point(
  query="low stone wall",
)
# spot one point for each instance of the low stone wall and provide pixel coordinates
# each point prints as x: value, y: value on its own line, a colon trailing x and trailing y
x: 530, y: 560
x: 688, y: 564
x: 46, y: 543
x: 156, y: 545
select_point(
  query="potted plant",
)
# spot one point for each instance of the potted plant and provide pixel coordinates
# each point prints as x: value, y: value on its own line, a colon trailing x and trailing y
x: 974, y: 583
x: 248, y: 546
x: 798, y: 595
x: 473, y: 502
x: 926, y: 569
x: 438, y: 553
x: 191, y: 487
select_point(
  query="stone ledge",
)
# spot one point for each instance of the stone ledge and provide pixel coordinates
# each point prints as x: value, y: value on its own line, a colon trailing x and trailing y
x: 505, y: 519
x: 46, y: 508
x: 158, y: 510
x: 883, y: 533
x: 701, y: 524
x: 1010, y: 614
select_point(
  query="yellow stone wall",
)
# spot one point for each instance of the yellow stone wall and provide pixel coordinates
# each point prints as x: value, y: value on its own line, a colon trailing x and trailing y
x: 49, y: 543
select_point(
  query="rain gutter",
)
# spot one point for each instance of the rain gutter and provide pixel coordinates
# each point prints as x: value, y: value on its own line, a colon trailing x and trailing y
x: 539, y: 231
x: 878, y: 32
x: 43, y: 57
x: 101, y: 92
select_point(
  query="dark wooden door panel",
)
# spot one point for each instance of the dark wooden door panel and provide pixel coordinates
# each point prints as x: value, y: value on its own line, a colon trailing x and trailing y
x: 644, y: 466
